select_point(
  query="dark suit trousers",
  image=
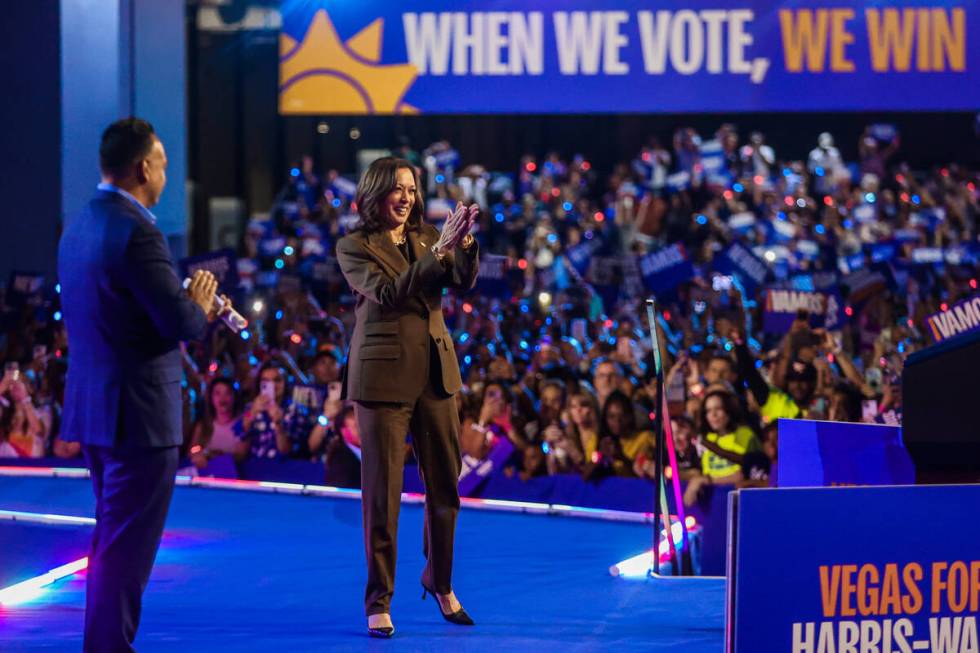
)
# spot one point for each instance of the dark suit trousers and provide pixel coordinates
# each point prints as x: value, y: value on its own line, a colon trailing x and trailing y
x: 434, y: 424
x: 133, y: 488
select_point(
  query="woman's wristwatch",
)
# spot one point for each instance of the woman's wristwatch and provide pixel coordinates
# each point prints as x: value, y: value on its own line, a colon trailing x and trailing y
x: 467, y: 241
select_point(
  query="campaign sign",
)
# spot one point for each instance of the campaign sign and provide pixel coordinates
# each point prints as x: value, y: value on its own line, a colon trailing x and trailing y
x: 580, y: 256
x: 961, y: 317
x: 24, y: 288
x: 475, y: 471
x: 820, y: 454
x: 863, y: 284
x: 854, y: 570
x: 220, y: 263
x: 605, y: 274
x: 740, y: 261
x: 627, y: 56
x: 492, y: 280
x: 782, y: 305
x: 665, y: 269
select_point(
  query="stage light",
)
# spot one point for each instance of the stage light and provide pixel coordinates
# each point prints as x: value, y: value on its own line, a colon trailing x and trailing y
x: 820, y: 229
x: 440, y: 179
x: 467, y: 307
x: 288, y: 250
x: 869, y: 198
x: 280, y: 264
x: 828, y: 200
x: 322, y: 128
x: 57, y: 316
x: 599, y: 216
x: 544, y: 298
x: 279, y: 315
x: 530, y: 166
x: 57, y: 288
x: 322, y: 420
x: 336, y: 202
x: 567, y: 206
x: 701, y: 219
x: 246, y: 335
x: 32, y: 588
x: 257, y: 306
x: 499, y: 217
x: 738, y: 188
x: 296, y: 339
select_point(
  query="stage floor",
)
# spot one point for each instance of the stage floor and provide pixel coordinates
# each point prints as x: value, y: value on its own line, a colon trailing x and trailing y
x: 255, y: 572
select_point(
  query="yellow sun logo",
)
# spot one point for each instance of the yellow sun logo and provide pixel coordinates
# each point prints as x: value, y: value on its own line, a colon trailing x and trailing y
x: 323, y: 74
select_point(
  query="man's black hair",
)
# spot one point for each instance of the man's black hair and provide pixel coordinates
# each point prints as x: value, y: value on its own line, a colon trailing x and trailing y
x: 125, y: 143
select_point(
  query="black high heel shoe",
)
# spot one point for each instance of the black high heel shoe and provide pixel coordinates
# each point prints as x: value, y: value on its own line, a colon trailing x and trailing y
x: 382, y: 632
x: 460, y: 618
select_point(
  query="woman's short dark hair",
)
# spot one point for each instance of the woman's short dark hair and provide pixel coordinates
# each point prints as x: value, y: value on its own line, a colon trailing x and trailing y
x: 125, y: 143
x: 377, y: 183
x: 729, y: 402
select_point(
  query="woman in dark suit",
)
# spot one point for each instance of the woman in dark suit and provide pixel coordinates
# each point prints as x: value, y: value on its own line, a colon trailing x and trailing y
x: 402, y: 373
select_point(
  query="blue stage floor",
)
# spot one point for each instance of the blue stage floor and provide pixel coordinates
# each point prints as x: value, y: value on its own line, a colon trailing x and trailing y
x: 253, y: 572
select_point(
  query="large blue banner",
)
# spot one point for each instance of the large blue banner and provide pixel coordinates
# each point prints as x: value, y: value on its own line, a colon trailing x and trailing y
x: 511, y: 56
x: 855, y: 570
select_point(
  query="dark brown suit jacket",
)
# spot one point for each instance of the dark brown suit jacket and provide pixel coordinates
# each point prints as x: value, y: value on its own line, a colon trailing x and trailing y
x: 399, y: 314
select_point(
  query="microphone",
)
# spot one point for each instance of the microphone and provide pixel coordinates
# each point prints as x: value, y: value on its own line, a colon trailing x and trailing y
x: 232, y: 319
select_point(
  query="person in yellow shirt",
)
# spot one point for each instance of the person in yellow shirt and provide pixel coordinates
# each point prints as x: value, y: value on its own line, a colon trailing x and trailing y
x: 724, y: 442
x: 620, y: 442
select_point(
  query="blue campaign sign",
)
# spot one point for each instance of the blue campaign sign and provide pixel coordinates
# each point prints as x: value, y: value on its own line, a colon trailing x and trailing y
x: 493, y: 279
x: 665, y: 269
x: 606, y: 56
x: 580, y: 256
x: 825, y: 309
x: 818, y: 454
x: 740, y: 261
x: 856, y: 570
x: 961, y: 317
x: 222, y: 263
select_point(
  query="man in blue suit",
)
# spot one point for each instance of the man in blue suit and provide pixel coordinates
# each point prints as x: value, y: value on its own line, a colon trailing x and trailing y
x: 125, y: 313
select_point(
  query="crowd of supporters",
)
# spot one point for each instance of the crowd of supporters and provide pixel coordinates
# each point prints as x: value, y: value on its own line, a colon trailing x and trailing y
x: 554, y: 342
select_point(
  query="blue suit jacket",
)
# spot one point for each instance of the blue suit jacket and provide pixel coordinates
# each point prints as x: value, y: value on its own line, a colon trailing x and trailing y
x: 125, y: 314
